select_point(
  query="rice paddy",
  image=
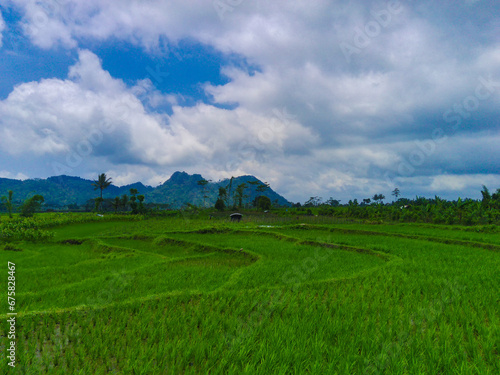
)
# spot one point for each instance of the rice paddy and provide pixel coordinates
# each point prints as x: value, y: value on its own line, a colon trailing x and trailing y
x: 174, y: 296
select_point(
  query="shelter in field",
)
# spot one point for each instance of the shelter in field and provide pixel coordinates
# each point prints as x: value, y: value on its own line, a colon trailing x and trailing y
x: 236, y: 217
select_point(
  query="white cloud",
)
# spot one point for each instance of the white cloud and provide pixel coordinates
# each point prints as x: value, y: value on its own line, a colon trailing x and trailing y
x: 17, y: 176
x: 348, y: 123
x: 53, y: 117
x: 92, y: 120
x: 2, y: 28
x: 459, y: 183
x: 411, y: 65
x: 45, y: 23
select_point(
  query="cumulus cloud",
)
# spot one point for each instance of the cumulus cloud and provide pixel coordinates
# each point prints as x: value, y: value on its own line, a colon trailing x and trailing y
x: 91, y: 117
x: 345, y: 95
x: 53, y: 117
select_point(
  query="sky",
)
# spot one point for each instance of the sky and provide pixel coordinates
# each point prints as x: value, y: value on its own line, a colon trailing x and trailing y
x: 342, y: 99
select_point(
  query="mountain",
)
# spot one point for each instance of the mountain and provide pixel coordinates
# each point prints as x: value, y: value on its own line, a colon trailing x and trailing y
x: 180, y: 189
x: 252, y: 191
x: 63, y: 190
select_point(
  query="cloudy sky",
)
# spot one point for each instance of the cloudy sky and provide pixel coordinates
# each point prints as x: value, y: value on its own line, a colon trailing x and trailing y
x: 326, y: 98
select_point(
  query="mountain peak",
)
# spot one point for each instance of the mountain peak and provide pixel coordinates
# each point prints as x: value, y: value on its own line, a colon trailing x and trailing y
x: 180, y: 178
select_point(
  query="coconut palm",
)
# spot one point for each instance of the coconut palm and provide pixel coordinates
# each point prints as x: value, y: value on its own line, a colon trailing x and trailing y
x: 101, y: 183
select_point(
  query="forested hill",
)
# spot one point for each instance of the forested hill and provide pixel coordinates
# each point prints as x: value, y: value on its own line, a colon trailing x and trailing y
x: 179, y: 190
x: 63, y: 190
x: 183, y: 188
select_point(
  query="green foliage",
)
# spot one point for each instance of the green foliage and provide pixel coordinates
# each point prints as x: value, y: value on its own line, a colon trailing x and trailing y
x: 203, y: 183
x: 223, y: 193
x: 23, y: 229
x: 116, y: 203
x: 124, y: 201
x: 10, y: 247
x: 313, y: 202
x: 101, y: 183
x: 179, y: 296
x: 486, y: 196
x: 98, y: 204
x: 133, y: 201
x: 61, y: 191
x: 240, y: 194
x: 417, y: 210
x: 263, y: 203
x: 7, y: 201
x: 220, y: 205
x: 229, y: 188
x: 31, y: 205
x: 141, y: 208
x: 396, y: 193
x: 34, y: 228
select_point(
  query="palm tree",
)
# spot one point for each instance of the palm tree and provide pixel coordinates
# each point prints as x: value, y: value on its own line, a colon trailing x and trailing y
x: 203, y: 183
x: 101, y: 183
x: 396, y: 192
x: 486, y: 196
x: 228, y: 189
x: 239, y: 193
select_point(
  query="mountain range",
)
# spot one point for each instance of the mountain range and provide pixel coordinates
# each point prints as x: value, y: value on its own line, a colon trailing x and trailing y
x: 181, y: 188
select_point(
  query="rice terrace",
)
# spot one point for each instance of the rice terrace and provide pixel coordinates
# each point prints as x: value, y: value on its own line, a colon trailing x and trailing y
x: 199, y: 187
x: 188, y: 293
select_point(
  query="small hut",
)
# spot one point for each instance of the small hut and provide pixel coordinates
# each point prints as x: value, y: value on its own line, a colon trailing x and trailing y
x: 236, y: 217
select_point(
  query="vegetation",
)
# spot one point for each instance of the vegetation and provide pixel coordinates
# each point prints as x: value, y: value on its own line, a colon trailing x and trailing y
x: 101, y: 183
x: 73, y: 193
x: 7, y: 201
x: 130, y: 294
x: 417, y: 210
x: 319, y: 288
x: 31, y: 205
x: 203, y: 183
x: 263, y: 203
x: 240, y: 194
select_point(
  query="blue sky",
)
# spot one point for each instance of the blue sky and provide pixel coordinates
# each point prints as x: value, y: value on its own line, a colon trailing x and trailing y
x: 322, y: 98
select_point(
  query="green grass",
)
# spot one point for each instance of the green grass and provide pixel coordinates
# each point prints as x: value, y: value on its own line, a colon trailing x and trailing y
x: 175, y: 296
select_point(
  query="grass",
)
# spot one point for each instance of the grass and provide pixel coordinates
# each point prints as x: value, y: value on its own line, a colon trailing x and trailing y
x: 192, y: 296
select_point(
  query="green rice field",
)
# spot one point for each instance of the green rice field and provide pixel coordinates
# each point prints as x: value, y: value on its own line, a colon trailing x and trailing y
x: 177, y: 296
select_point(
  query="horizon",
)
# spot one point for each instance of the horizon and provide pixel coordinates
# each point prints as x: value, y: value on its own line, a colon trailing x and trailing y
x: 322, y: 99
x: 324, y: 199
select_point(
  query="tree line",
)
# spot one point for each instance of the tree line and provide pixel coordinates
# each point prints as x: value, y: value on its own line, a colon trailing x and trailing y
x: 133, y: 202
x: 230, y: 197
x: 419, y: 209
